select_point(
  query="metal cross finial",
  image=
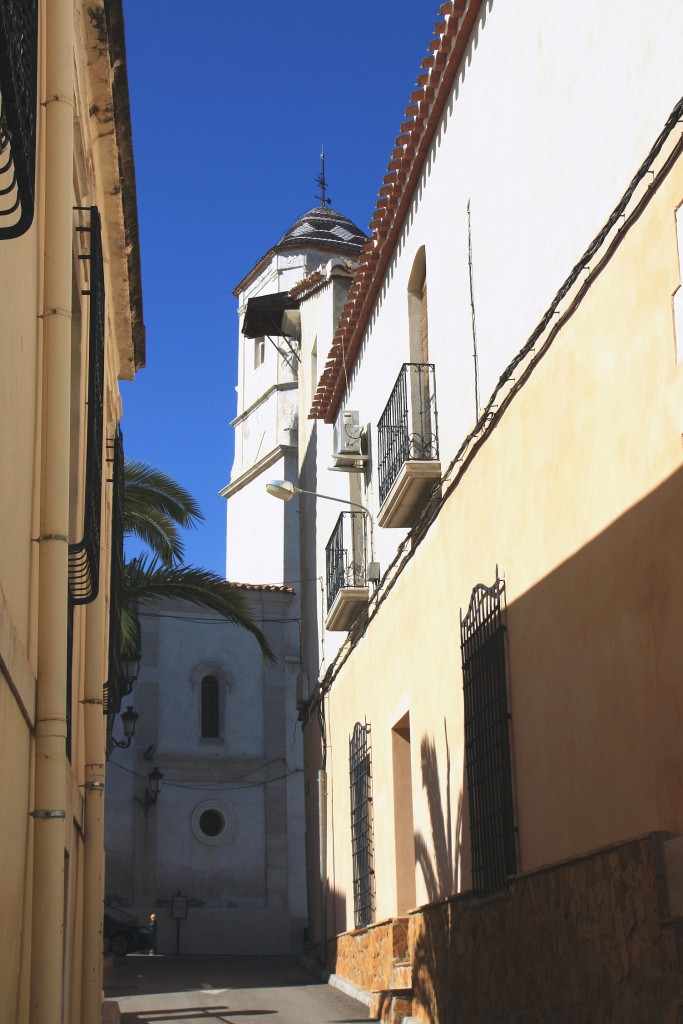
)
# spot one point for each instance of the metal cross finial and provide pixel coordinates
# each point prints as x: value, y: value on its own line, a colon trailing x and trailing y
x: 322, y: 183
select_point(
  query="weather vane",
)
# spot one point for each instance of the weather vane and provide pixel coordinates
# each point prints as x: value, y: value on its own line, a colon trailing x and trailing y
x: 322, y: 183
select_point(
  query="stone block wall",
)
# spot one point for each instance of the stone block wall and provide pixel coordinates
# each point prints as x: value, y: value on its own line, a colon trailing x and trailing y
x: 365, y: 957
x: 583, y: 942
x: 587, y: 941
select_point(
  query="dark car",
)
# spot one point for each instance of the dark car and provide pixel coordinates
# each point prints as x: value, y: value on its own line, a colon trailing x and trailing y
x: 123, y: 934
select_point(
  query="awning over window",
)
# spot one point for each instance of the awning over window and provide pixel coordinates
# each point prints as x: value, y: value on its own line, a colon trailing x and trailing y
x: 274, y: 315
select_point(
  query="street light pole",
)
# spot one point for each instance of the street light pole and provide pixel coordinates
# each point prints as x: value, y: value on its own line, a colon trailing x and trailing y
x: 285, y: 491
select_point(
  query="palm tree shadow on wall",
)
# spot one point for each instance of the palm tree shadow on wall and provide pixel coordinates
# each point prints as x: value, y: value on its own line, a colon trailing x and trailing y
x: 442, y: 861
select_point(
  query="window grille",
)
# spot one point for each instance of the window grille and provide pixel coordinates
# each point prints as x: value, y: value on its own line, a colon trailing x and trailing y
x: 345, y: 555
x: 361, y: 824
x: 487, y: 739
x: 210, y: 698
x: 113, y: 691
x: 84, y: 556
x: 407, y: 429
x: 69, y: 672
x: 18, y: 102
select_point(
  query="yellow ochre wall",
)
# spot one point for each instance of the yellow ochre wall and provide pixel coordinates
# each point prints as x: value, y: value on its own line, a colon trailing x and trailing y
x: 85, y: 36
x: 577, y: 497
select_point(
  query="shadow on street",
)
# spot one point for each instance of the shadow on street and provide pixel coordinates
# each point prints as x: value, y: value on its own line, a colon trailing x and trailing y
x: 208, y: 989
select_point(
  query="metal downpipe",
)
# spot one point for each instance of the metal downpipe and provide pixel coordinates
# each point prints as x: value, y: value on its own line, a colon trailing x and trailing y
x: 47, y: 940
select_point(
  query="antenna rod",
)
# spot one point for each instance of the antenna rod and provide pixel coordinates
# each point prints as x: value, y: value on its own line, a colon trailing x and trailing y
x: 321, y: 181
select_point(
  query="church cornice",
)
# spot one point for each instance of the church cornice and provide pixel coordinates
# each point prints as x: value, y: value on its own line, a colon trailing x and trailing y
x: 290, y: 385
x: 257, y: 469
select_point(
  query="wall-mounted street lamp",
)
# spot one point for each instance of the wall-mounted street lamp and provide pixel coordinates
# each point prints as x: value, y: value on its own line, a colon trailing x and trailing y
x: 153, y: 788
x: 285, y: 491
x: 152, y: 792
x: 129, y: 718
x: 131, y: 669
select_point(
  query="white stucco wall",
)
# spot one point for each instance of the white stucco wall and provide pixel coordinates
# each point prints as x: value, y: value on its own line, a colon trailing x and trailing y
x: 553, y: 110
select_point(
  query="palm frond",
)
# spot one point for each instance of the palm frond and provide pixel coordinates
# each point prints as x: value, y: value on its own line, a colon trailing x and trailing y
x: 155, y: 507
x: 130, y: 633
x: 152, y: 581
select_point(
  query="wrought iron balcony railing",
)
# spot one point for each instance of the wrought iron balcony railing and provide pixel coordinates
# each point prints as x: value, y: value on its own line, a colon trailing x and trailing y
x: 114, y: 689
x: 407, y: 429
x: 84, y: 555
x: 18, y: 101
x: 345, y: 555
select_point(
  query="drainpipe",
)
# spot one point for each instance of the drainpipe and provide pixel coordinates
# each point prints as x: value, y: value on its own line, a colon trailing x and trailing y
x: 322, y: 836
x: 50, y: 804
x: 93, y: 820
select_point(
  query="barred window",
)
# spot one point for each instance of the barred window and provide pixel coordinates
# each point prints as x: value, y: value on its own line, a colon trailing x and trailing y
x: 361, y: 824
x: 487, y: 739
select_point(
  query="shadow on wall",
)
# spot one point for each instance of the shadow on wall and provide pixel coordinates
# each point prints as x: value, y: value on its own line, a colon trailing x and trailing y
x: 441, y: 860
x: 442, y: 863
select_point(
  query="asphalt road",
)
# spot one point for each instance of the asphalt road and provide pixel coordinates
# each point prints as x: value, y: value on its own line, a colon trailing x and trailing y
x: 224, y: 990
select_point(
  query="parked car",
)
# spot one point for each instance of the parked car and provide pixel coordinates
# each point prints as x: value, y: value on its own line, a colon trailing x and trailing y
x: 123, y: 934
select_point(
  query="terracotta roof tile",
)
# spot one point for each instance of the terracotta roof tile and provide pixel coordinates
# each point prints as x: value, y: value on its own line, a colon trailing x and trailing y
x: 436, y: 78
x: 269, y: 588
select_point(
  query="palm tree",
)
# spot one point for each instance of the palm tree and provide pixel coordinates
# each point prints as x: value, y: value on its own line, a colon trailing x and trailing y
x: 155, y: 509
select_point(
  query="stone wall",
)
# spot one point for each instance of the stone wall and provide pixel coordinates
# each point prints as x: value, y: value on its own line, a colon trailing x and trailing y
x: 587, y: 941
x: 366, y: 957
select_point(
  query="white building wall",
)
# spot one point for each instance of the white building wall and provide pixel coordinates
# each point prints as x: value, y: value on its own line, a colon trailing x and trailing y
x: 584, y: 87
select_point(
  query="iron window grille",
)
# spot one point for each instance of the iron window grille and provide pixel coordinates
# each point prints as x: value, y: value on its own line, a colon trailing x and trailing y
x: 407, y: 429
x: 18, y: 103
x: 345, y: 554
x: 487, y: 740
x: 84, y: 556
x: 361, y: 824
x: 69, y: 673
x: 114, y: 690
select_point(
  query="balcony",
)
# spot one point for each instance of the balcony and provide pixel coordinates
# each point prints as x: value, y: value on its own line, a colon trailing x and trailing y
x: 18, y: 96
x: 346, y: 571
x: 408, y: 442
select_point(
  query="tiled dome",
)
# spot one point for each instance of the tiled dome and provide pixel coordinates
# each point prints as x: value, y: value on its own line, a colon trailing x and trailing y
x: 322, y: 226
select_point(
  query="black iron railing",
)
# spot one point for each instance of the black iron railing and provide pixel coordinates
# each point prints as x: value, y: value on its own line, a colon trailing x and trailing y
x: 487, y: 740
x: 18, y: 101
x: 345, y: 555
x: 113, y: 688
x: 84, y: 556
x: 407, y: 429
x: 361, y: 824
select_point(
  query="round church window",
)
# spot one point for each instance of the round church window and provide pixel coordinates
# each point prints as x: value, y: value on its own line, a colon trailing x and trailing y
x: 211, y: 822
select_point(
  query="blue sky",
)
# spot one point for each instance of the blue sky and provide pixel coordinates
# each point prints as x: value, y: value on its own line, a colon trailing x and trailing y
x: 229, y: 113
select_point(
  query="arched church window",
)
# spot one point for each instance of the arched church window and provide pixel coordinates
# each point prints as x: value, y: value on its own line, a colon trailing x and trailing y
x: 210, y: 707
x: 259, y: 352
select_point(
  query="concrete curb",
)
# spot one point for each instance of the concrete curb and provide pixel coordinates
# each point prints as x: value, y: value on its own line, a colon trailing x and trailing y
x: 110, y: 1012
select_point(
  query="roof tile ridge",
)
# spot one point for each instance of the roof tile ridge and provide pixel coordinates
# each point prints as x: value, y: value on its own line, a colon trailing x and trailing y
x: 422, y: 114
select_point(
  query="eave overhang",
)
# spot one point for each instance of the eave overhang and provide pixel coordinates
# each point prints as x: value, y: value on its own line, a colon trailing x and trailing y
x: 427, y: 103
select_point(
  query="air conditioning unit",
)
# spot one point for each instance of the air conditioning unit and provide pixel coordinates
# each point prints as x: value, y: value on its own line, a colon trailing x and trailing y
x: 347, y: 435
x: 347, y: 443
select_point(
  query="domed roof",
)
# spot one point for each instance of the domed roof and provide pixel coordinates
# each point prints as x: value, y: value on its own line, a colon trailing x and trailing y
x: 324, y: 227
